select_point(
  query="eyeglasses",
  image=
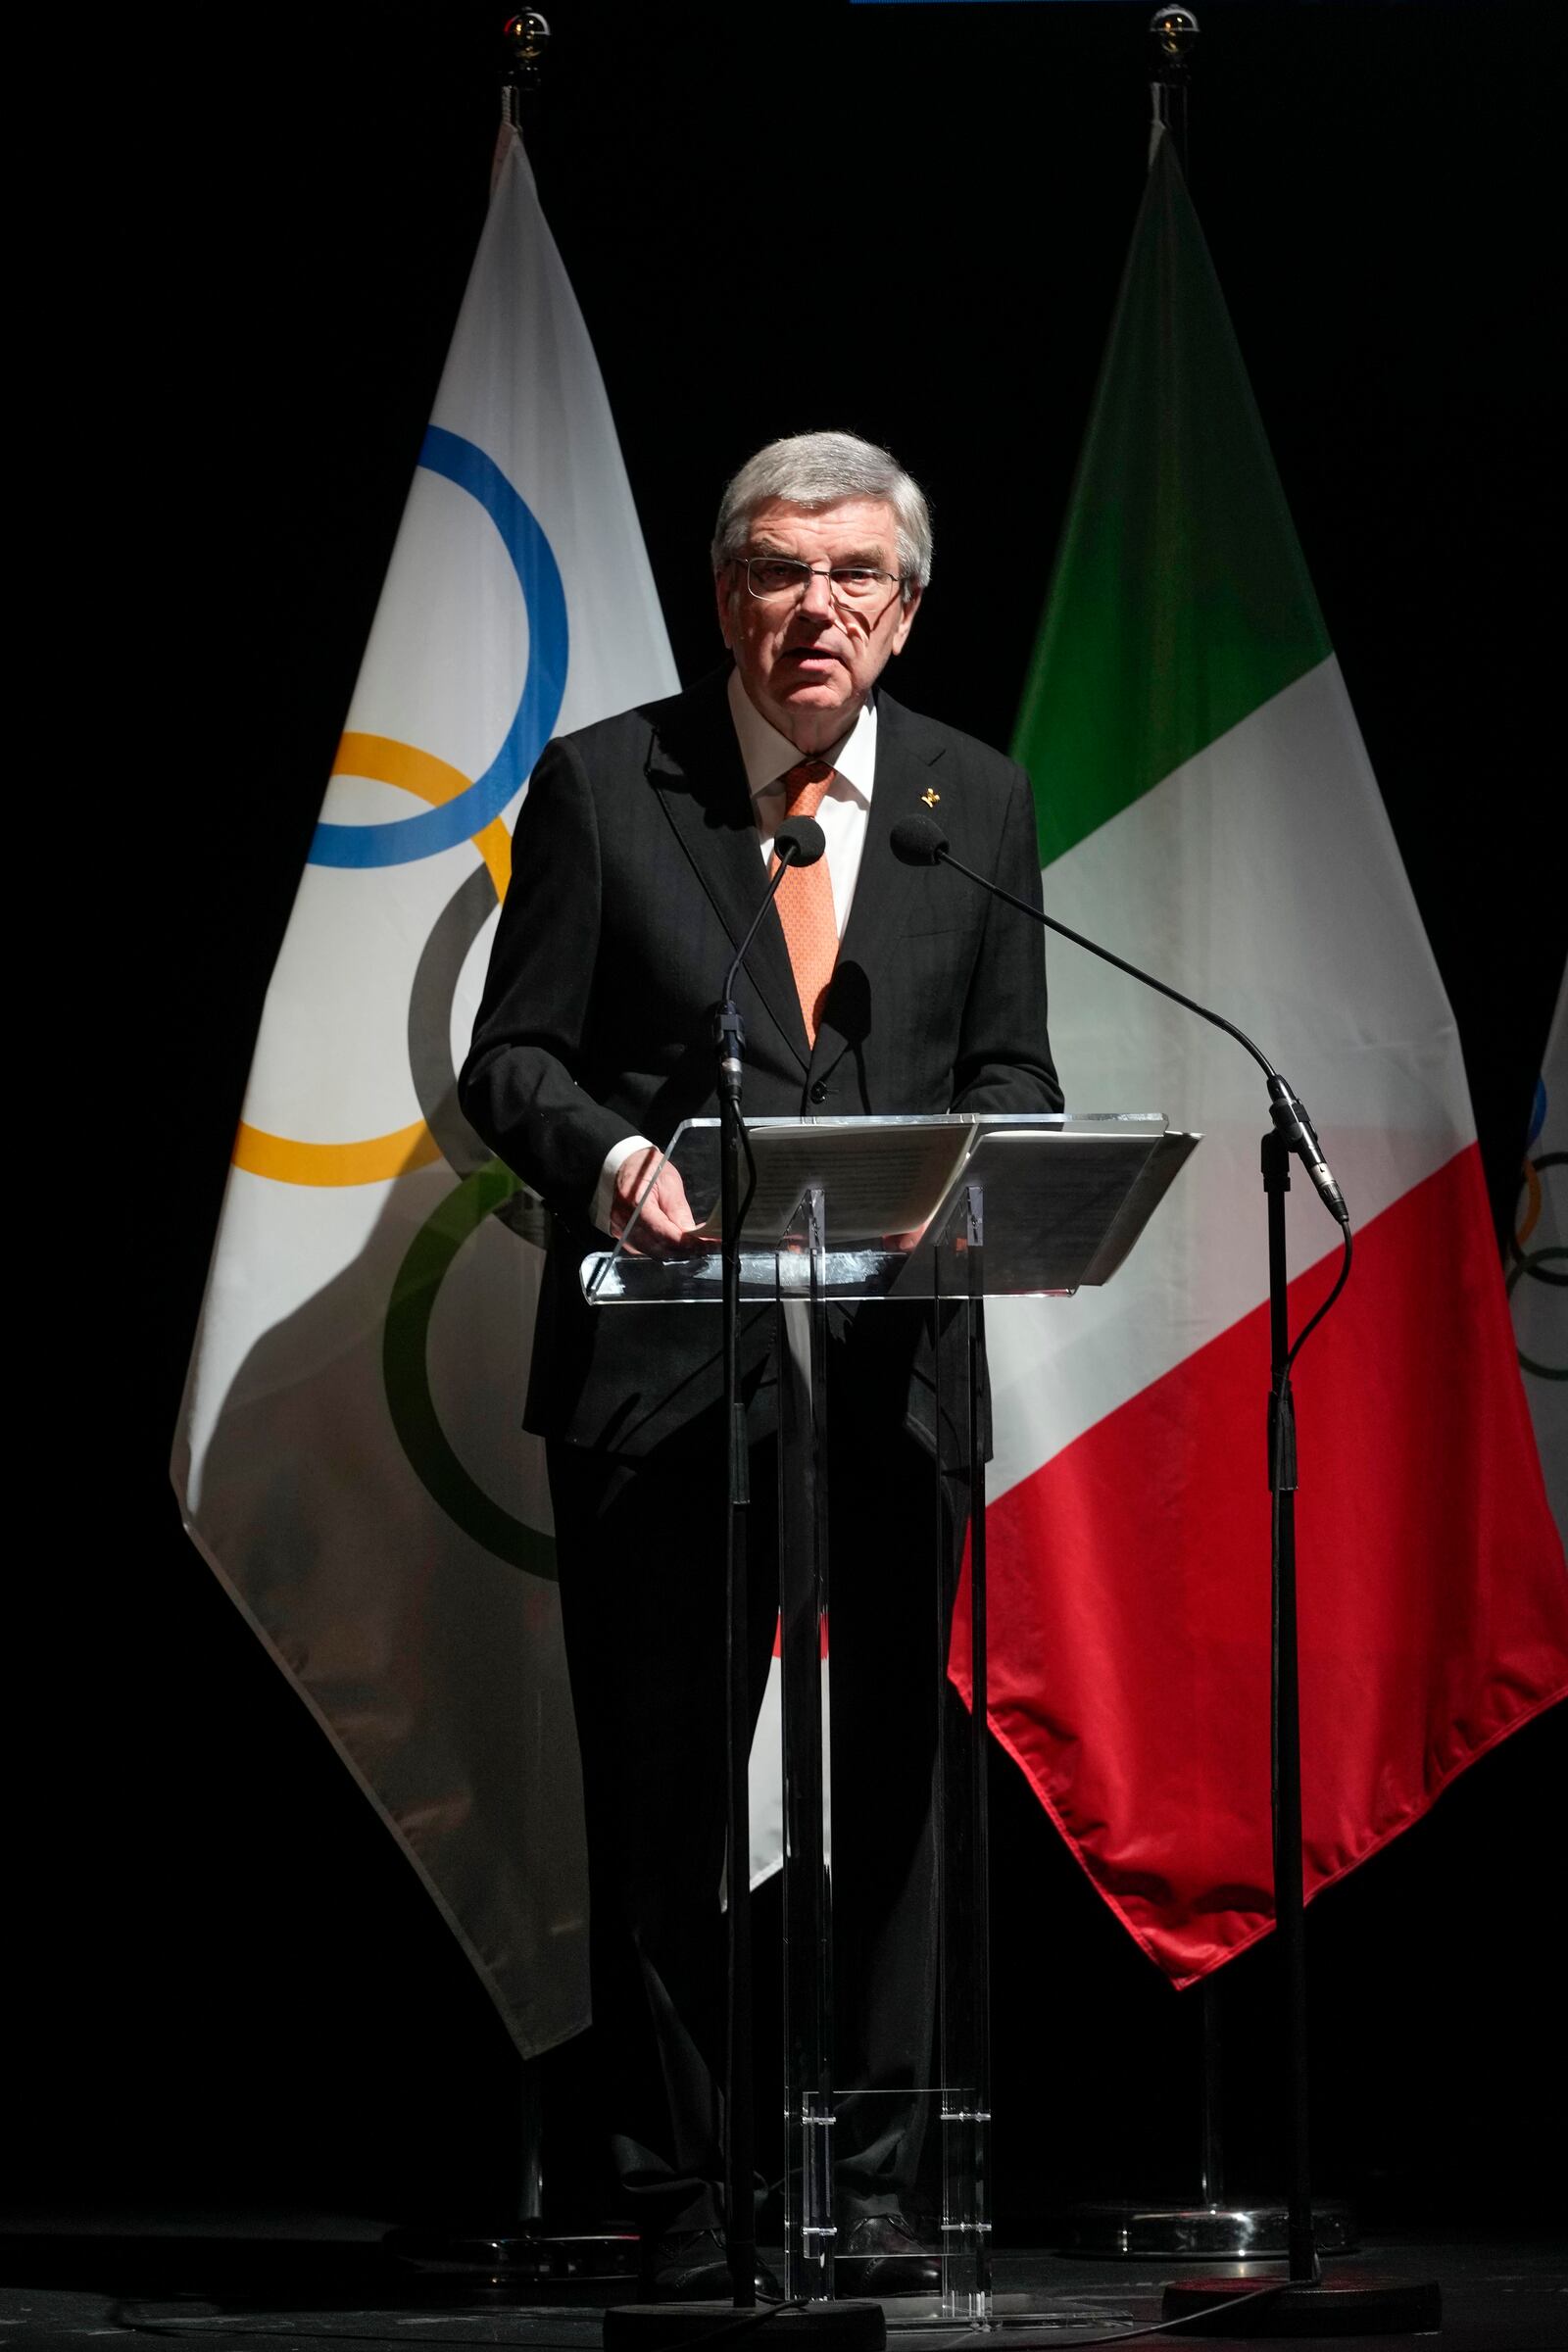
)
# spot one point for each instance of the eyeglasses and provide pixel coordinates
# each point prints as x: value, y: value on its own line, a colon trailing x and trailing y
x: 772, y: 578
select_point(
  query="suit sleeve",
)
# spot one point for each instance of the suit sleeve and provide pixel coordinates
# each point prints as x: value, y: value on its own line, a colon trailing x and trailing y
x: 1005, y: 1061
x: 520, y: 1085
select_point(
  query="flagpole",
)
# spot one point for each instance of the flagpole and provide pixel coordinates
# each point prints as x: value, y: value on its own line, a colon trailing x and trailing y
x: 1303, y: 2302
x: 1174, y: 31
x: 517, y: 2248
x: 525, y: 37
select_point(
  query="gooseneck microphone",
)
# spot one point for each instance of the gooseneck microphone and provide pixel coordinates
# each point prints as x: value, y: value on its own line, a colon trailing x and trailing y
x: 920, y: 841
x: 798, y: 840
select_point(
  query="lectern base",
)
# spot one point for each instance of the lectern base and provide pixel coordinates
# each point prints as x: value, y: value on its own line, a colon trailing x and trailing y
x: 1254, y: 2309
x: 823, y: 2326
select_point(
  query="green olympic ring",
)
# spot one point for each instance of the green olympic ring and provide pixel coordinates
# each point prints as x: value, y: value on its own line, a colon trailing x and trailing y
x: 404, y: 1370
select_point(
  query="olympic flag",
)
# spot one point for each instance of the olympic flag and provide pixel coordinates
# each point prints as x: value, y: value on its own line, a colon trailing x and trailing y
x: 1207, y: 808
x: 348, y: 1454
x: 1538, y: 1263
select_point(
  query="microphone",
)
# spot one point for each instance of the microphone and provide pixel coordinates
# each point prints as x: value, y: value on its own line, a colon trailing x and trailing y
x: 920, y: 841
x: 797, y: 841
x: 803, y: 837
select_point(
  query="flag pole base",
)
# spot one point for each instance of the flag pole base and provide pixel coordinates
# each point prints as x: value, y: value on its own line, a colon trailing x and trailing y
x: 1223, y: 2232
x: 849, y: 2326
x: 1257, y: 2308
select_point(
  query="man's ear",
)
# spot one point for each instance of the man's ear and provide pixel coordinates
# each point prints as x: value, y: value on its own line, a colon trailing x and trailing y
x: 724, y: 599
x: 901, y: 635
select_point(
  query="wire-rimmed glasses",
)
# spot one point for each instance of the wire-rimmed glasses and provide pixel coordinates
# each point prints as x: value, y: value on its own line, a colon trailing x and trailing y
x: 772, y: 579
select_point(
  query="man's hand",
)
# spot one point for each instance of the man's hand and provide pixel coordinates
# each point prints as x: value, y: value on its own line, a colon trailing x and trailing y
x: 667, y: 1222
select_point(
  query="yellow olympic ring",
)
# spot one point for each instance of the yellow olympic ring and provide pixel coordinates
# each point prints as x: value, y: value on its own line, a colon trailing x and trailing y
x: 289, y: 1161
x: 388, y: 761
x: 283, y: 1157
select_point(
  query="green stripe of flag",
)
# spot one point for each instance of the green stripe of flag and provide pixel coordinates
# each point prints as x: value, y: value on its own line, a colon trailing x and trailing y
x: 1180, y: 601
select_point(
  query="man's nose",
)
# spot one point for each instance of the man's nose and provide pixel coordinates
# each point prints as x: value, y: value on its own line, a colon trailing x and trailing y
x: 818, y: 597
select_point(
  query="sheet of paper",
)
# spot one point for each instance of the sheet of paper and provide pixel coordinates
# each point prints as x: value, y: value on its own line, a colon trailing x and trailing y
x: 876, y: 1179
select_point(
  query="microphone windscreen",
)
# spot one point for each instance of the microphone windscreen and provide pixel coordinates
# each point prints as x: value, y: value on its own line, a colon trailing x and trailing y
x: 805, y: 838
x: 917, y: 840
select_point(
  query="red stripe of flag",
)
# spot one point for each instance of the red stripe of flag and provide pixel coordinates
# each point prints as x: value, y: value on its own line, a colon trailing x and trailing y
x: 1130, y: 1587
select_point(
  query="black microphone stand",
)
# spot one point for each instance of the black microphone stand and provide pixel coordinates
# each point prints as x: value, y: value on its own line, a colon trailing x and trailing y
x: 652, y: 2327
x: 1302, y: 2303
x: 740, y: 2123
x: 798, y: 841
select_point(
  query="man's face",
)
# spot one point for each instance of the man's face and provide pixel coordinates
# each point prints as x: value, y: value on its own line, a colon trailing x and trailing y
x: 810, y: 661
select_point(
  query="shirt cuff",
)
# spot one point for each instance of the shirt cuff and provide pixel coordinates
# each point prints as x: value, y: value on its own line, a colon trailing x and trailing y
x: 604, y: 1189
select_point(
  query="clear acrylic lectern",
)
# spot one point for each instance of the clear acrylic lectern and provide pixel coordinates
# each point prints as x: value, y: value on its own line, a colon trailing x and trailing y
x: 951, y: 1210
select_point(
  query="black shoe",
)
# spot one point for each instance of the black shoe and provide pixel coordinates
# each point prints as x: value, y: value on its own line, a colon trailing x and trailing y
x: 690, y: 2265
x: 881, y: 2254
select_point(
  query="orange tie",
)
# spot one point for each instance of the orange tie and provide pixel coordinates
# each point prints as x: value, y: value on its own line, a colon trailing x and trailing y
x: 804, y: 900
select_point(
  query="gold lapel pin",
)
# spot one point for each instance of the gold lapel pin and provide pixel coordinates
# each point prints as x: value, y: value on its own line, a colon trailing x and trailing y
x: 930, y: 796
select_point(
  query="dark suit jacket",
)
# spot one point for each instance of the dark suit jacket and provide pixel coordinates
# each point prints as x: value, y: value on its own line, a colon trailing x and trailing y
x: 635, y: 873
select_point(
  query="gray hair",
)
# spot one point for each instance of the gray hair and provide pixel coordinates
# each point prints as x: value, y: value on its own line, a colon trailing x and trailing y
x: 820, y: 469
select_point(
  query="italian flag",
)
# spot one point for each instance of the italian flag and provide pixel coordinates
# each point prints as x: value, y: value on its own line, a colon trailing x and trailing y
x: 1206, y: 808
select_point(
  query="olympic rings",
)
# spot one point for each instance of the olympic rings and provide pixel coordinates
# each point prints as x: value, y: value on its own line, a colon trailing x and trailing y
x: 1526, y: 1225
x: 459, y: 808
x: 284, y: 1158
x: 286, y: 1161
x: 471, y: 809
x: 430, y: 1028
x: 1536, y: 1264
x: 1530, y: 1176
x: 404, y: 1373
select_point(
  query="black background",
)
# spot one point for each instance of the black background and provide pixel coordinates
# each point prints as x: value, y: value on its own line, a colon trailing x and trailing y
x: 909, y: 220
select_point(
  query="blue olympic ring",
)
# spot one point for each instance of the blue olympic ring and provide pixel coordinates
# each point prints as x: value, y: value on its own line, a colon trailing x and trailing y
x: 1538, y: 1115
x: 407, y: 838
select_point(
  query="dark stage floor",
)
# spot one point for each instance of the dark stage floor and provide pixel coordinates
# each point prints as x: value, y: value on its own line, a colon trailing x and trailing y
x: 317, y: 2282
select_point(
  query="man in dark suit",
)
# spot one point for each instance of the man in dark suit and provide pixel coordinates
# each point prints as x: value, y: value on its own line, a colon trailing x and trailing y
x: 640, y: 855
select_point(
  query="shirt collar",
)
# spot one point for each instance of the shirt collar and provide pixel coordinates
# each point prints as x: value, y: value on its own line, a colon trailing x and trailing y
x: 769, y: 755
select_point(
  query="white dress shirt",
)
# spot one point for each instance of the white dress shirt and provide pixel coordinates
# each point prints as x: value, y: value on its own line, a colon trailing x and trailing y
x: 768, y: 758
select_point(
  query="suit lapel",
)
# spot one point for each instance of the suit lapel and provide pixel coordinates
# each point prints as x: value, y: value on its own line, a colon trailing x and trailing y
x: 695, y: 769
